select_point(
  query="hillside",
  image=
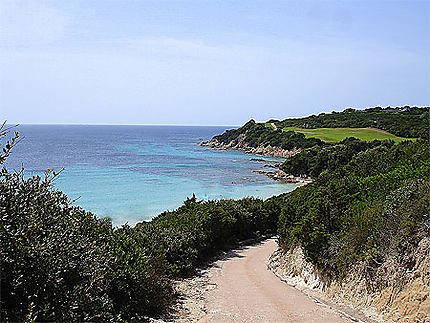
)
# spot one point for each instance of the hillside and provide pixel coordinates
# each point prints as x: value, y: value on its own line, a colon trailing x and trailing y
x: 360, y: 231
x: 333, y: 135
x: 258, y: 139
x: 291, y: 135
x: 365, y: 214
x: 359, y: 220
x: 409, y: 122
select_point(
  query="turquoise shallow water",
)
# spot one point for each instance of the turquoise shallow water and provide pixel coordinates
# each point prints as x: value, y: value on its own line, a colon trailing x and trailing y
x: 133, y: 173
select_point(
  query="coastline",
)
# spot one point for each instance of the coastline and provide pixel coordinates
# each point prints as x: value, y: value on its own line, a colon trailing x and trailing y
x: 275, y: 173
x: 264, y: 151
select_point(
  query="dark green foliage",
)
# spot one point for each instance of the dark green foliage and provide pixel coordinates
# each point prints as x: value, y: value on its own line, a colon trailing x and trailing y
x: 197, y: 230
x: 358, y: 211
x: 313, y: 161
x: 60, y: 263
x: 11, y: 141
x: 409, y: 122
x: 386, y: 226
x: 256, y: 134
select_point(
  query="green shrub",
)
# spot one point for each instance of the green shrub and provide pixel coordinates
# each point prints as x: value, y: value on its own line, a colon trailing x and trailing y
x: 361, y: 210
x: 409, y: 122
x: 313, y: 161
x: 60, y: 263
x: 198, y: 230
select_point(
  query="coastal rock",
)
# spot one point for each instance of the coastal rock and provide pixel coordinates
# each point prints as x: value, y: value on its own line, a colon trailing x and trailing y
x: 264, y: 160
x: 283, y: 177
x: 267, y: 151
x: 239, y: 144
x: 272, y: 166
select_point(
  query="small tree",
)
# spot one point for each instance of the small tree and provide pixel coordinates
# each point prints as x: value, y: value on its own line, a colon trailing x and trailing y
x: 10, y: 142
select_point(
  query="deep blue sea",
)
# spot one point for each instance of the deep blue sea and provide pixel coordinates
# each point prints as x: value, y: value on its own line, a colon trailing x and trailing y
x: 133, y: 173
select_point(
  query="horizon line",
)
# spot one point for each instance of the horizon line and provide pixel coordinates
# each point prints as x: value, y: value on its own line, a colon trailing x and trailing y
x: 119, y: 124
x: 216, y: 125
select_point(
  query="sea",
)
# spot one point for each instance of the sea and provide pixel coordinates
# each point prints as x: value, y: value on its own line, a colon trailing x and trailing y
x: 133, y: 173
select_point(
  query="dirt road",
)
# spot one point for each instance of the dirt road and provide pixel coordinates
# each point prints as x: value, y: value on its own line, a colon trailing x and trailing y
x: 246, y: 291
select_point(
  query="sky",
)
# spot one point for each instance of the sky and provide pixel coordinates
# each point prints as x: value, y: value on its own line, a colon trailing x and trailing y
x: 208, y: 62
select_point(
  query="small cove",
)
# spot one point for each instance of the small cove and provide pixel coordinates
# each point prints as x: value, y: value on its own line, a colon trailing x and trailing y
x: 133, y: 173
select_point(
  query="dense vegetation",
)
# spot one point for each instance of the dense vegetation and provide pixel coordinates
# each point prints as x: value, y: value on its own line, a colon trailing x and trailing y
x: 409, y: 122
x: 313, y: 161
x: 378, y: 201
x: 61, y: 263
x: 368, y: 198
x: 197, y: 230
x: 256, y: 134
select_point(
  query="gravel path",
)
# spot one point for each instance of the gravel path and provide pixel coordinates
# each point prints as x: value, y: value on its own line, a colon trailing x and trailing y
x: 246, y: 291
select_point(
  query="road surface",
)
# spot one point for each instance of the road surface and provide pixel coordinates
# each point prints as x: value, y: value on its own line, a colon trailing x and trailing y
x: 246, y: 291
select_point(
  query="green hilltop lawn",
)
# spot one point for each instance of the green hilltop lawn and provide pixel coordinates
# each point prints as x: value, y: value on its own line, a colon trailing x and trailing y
x: 338, y: 134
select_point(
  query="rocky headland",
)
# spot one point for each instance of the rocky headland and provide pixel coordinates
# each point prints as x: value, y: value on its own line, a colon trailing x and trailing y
x: 272, y: 169
x: 240, y: 144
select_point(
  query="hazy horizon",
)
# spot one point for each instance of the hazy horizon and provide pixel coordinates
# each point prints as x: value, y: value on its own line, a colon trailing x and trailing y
x: 208, y: 63
x: 187, y: 125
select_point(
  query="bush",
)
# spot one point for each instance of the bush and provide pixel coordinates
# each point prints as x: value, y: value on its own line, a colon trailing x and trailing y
x: 257, y: 134
x: 198, y: 230
x: 313, y: 161
x: 360, y: 210
x: 60, y: 263
x: 409, y: 122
